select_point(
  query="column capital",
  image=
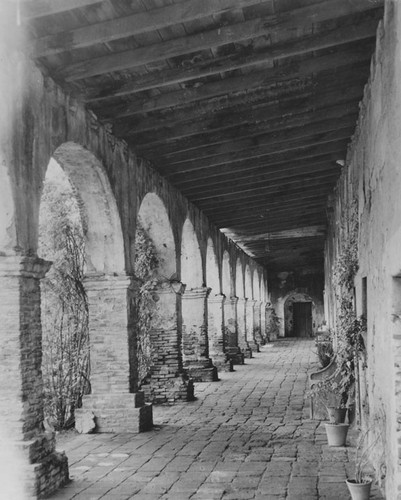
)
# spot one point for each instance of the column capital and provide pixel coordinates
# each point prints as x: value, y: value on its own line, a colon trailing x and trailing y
x: 196, y: 293
x: 216, y: 299
x: 242, y: 300
x: 24, y: 267
x: 233, y: 300
x: 106, y: 281
x: 251, y: 302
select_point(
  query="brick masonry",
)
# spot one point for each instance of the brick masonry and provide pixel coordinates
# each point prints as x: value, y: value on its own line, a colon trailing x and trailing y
x: 42, y: 469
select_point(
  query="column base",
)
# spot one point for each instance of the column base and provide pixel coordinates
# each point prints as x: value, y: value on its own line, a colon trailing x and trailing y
x: 247, y: 352
x: 201, y: 370
x: 168, y: 389
x: 116, y: 413
x: 222, y: 363
x: 46, y: 477
x: 254, y: 346
x: 235, y: 355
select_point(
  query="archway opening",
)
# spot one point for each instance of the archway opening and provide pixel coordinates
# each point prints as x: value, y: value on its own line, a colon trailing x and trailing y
x: 299, y: 311
x: 64, y: 303
x: 80, y: 232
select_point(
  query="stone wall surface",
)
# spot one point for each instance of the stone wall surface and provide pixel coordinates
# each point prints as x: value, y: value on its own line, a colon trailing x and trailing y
x: 372, y: 176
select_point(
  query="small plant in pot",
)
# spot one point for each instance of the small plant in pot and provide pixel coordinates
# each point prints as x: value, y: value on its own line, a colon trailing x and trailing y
x: 334, y: 398
x: 360, y: 486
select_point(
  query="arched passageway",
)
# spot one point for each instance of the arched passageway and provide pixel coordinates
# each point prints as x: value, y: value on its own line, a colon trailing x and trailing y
x: 159, y: 337
x: 241, y: 309
x: 195, y: 343
x: 215, y: 310
x: 250, y: 315
x: 299, y: 315
x: 106, y: 286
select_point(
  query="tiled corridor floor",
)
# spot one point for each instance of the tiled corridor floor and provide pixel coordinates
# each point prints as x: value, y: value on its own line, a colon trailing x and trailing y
x: 247, y: 436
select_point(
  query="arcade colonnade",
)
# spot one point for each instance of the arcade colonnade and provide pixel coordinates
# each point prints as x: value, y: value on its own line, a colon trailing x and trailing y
x: 210, y: 300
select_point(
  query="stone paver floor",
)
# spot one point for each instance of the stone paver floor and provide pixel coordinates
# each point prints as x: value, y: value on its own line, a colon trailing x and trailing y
x: 247, y: 436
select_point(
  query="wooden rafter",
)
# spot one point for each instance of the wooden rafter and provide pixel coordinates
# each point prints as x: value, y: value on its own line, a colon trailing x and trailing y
x: 156, y: 79
x: 33, y: 9
x: 266, y: 26
x: 135, y: 24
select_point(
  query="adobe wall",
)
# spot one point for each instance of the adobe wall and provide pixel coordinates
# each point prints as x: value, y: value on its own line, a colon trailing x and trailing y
x: 373, y: 176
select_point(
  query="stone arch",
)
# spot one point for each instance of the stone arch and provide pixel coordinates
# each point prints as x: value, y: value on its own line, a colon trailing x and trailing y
x: 107, y: 286
x: 195, y: 342
x: 153, y: 217
x: 287, y: 304
x: 164, y: 381
x: 8, y: 239
x: 191, y: 258
x: 226, y: 275
x: 248, y: 283
x: 255, y: 285
x: 104, y: 245
x: 212, y: 269
x: 239, y: 280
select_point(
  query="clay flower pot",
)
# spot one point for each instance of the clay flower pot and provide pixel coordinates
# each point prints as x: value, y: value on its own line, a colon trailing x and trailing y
x: 336, y: 434
x: 359, y: 491
x: 336, y: 415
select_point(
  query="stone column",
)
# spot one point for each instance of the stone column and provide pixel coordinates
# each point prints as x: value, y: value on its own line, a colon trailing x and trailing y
x: 195, y: 344
x: 115, y: 409
x: 29, y: 451
x: 263, y: 324
x: 257, y: 322
x: 168, y: 381
x: 241, y: 324
x: 231, y: 331
x: 250, y: 325
x: 215, y: 328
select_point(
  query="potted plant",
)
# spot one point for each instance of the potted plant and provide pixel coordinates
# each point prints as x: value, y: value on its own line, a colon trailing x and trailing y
x: 360, y: 486
x: 331, y: 394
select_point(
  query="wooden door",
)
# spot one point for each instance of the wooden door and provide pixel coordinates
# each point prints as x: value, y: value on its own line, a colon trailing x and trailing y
x: 302, y: 319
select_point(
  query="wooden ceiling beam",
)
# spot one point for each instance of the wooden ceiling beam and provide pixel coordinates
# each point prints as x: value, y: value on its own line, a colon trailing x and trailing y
x: 240, y: 103
x: 266, y: 26
x: 202, y: 69
x: 263, y: 205
x: 233, y: 187
x: 33, y: 9
x: 337, y: 149
x: 281, y: 225
x: 263, y: 209
x: 253, y: 80
x: 212, y: 206
x: 268, y: 174
x: 263, y: 153
x: 281, y: 212
x: 343, y: 113
x: 267, y: 187
x: 225, y: 126
x: 271, y: 143
x: 135, y: 24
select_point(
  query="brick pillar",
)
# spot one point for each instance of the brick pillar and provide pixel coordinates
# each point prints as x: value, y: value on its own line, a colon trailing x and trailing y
x: 231, y: 331
x: 168, y: 382
x: 250, y: 325
x: 115, y: 409
x: 263, y: 323
x: 195, y: 343
x: 29, y: 451
x: 257, y: 322
x: 241, y: 325
x: 215, y: 328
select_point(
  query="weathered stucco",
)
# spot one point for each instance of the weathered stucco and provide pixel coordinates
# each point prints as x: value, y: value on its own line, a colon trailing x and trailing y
x: 373, y: 176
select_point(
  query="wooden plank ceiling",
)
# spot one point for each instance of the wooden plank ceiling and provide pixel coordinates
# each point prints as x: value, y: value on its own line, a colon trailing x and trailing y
x: 246, y: 106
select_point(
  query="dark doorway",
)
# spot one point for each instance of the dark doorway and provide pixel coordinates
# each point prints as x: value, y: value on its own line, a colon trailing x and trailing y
x: 302, y: 319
